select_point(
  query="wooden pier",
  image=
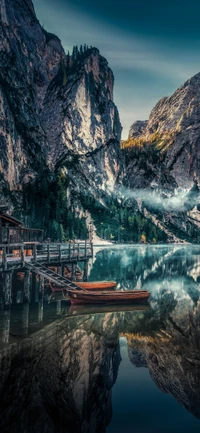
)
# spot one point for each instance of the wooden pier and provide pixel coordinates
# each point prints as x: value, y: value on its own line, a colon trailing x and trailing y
x: 35, y: 260
x: 14, y: 256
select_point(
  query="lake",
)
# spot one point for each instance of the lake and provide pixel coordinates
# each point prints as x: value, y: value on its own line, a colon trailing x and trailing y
x: 108, y: 369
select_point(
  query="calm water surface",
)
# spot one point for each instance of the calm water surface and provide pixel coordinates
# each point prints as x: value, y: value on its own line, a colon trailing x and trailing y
x: 115, y: 370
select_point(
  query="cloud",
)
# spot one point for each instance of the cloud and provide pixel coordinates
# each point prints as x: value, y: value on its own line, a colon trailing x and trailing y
x: 157, y: 200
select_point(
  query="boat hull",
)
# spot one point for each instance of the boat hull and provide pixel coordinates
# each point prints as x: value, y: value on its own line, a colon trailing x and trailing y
x: 98, y: 286
x: 89, y: 286
x: 115, y: 297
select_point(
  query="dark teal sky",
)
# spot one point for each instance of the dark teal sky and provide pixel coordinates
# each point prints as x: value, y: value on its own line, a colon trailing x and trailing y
x: 151, y: 46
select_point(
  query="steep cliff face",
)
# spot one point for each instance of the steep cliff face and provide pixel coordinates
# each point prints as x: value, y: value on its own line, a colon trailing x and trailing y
x: 162, y: 155
x: 172, y: 134
x: 28, y: 63
x: 54, y: 110
x: 137, y: 128
x: 82, y: 122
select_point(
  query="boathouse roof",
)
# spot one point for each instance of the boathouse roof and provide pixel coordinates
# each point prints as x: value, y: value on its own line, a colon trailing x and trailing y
x: 6, y: 219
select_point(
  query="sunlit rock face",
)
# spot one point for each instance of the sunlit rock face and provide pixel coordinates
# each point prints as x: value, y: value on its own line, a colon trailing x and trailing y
x: 165, y: 158
x: 174, y: 127
x: 82, y: 122
x: 138, y: 128
x: 61, y: 380
x: 52, y: 113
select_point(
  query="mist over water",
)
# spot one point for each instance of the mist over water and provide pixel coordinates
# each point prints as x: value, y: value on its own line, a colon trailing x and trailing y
x: 160, y: 200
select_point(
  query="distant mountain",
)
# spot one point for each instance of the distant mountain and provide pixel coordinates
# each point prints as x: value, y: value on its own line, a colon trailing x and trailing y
x: 171, y: 138
x: 163, y: 155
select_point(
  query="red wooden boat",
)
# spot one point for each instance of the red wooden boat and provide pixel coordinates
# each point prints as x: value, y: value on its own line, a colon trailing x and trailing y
x: 97, y: 285
x: 108, y: 297
x: 94, y: 286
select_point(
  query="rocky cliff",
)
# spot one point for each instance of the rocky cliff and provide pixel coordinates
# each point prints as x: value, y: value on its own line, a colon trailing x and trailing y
x: 173, y: 129
x: 162, y: 155
x: 56, y: 110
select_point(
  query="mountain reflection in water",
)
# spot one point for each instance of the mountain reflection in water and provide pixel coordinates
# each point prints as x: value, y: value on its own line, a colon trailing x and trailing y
x: 58, y: 365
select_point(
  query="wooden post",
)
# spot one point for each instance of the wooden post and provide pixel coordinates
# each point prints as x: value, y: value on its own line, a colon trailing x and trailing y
x: 58, y: 307
x: 92, y: 250
x: 22, y: 256
x: 63, y: 270
x: 41, y: 287
x: 85, y: 272
x: 85, y: 249
x: 35, y: 252
x: 59, y: 270
x: 40, y: 311
x: 27, y: 286
x: 70, y: 253
x: 48, y: 253
x: 4, y: 259
x: 6, y: 327
x: 7, y: 289
x: 59, y: 253
x: 73, y: 271
x: 25, y: 319
x: 34, y: 292
x: 78, y: 251
x: 73, y: 248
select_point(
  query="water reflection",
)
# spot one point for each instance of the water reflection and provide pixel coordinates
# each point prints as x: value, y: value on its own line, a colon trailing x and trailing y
x: 59, y: 364
x: 61, y: 379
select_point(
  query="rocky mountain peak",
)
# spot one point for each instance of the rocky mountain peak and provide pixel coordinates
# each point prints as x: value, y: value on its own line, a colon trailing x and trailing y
x: 173, y: 131
x: 56, y: 109
x: 14, y: 12
x: 137, y: 128
x: 177, y: 112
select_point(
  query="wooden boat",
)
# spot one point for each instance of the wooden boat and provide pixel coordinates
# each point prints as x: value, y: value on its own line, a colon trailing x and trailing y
x: 107, y: 297
x: 97, y: 285
x: 94, y: 286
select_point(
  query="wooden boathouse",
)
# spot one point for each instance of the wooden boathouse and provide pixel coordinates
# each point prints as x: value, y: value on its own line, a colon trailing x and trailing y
x: 23, y: 250
x: 12, y: 231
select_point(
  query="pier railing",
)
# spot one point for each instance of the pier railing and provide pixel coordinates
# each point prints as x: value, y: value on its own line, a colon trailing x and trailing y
x: 44, y: 252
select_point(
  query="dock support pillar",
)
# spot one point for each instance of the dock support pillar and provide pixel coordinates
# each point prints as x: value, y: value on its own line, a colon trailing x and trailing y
x: 63, y: 270
x: 34, y: 294
x: 7, y: 290
x: 59, y: 270
x: 25, y: 318
x: 6, y: 327
x: 85, y: 272
x: 41, y: 287
x: 58, y: 308
x: 40, y: 310
x: 73, y: 271
x: 27, y: 286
